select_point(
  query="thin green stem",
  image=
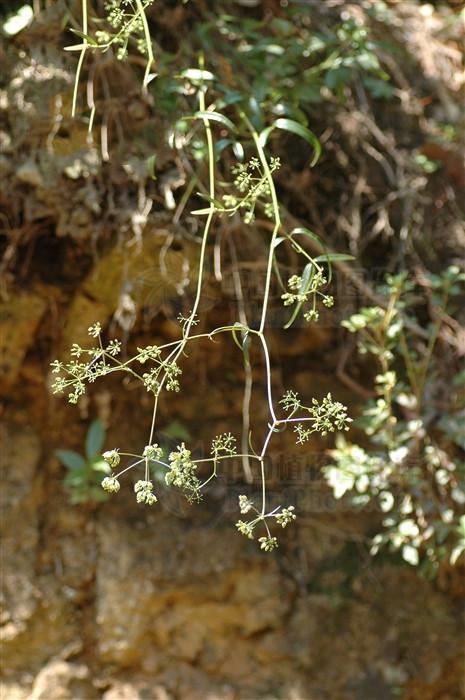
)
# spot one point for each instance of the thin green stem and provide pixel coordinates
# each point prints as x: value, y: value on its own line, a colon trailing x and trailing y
x: 81, y: 58
x: 148, y: 42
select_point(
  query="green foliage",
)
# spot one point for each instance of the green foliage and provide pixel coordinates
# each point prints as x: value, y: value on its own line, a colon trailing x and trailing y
x: 412, y: 468
x: 84, y: 477
x: 280, y: 66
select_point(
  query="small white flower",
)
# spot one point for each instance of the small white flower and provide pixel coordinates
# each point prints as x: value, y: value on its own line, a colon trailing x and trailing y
x: 410, y: 555
x: 110, y: 484
x: 112, y: 458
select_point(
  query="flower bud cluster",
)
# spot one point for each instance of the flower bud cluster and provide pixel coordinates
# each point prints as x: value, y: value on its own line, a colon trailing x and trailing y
x: 112, y: 458
x: 110, y: 484
x: 286, y: 516
x: 143, y: 490
x: 268, y: 543
x: 153, y: 452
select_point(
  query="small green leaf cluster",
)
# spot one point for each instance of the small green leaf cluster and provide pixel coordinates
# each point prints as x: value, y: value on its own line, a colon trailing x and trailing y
x: 413, y: 471
x: 286, y: 66
x: 85, y: 473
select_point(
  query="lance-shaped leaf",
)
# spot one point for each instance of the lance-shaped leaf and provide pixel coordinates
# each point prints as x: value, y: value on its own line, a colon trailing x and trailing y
x: 216, y: 117
x: 295, y: 128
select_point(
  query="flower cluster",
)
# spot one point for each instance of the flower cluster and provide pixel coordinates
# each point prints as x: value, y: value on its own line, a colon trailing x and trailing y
x: 245, y: 529
x: 172, y: 372
x: 303, y: 434
x: 245, y: 504
x: 125, y: 25
x: 291, y: 401
x: 223, y: 444
x: 95, y: 330
x: 252, y: 185
x: 153, y: 452
x: 283, y: 518
x: 112, y: 458
x: 150, y: 380
x: 144, y: 492
x: 268, y: 543
x: 286, y: 516
x: 329, y: 415
x: 151, y: 352
x: 74, y: 375
x: 306, y: 287
x: 182, y: 471
x: 110, y: 484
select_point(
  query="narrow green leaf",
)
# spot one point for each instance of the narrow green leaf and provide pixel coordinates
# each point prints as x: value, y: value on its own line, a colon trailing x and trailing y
x: 90, y: 40
x: 212, y: 200
x: 332, y: 257
x: 300, y: 231
x: 76, y: 47
x: 71, y: 459
x: 201, y: 212
x: 94, y: 439
x: 303, y: 132
x: 263, y: 137
x: 151, y: 166
x: 278, y: 240
x: 216, y: 117
x: 243, y: 346
x: 238, y: 151
x: 221, y: 144
x: 278, y: 274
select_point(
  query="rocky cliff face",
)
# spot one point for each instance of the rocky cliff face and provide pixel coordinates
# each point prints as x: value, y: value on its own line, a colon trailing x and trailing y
x: 113, y: 601
x: 118, y: 603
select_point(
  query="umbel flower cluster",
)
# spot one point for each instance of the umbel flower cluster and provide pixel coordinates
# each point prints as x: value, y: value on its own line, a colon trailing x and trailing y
x: 252, y: 188
x: 302, y: 290
x: 157, y: 368
x: 283, y: 516
x: 91, y: 364
x: 181, y: 469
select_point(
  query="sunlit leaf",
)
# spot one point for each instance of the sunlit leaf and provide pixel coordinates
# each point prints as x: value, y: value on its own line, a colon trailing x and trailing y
x: 295, y: 128
x: 216, y: 117
x: 197, y: 74
x: 19, y: 21
x: 332, y: 257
